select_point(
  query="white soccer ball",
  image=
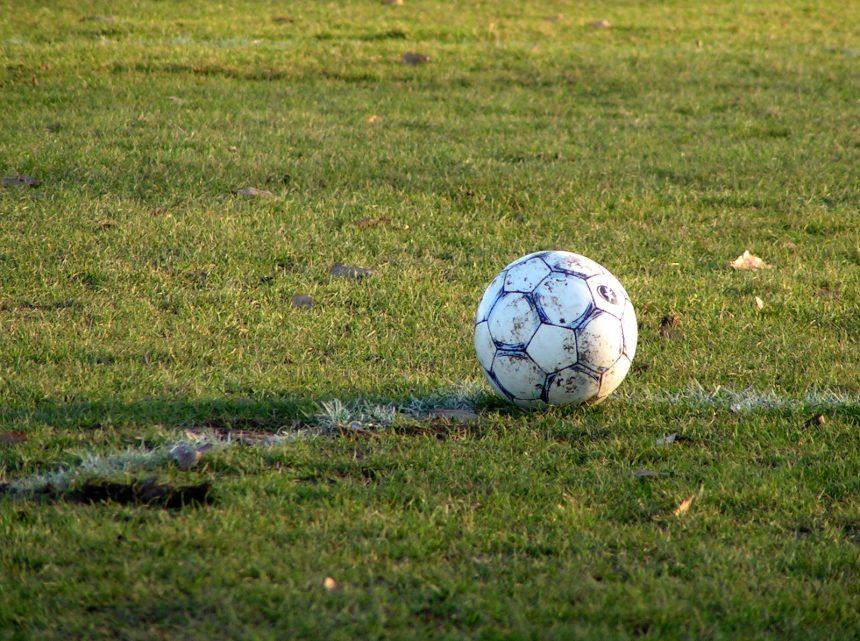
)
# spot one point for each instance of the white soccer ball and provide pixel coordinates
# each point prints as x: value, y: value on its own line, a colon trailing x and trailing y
x: 555, y: 328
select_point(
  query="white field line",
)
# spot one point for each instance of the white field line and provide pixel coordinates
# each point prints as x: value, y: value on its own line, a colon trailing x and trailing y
x: 336, y: 416
x: 749, y: 400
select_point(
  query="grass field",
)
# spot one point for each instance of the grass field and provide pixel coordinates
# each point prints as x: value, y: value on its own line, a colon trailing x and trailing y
x: 145, y: 304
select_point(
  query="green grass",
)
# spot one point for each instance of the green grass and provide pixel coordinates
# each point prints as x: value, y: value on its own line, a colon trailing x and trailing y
x: 141, y: 298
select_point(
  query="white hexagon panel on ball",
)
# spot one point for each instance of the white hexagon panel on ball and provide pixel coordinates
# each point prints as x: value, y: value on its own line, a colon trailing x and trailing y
x: 563, y: 298
x: 485, y: 348
x: 553, y: 348
x: 571, y: 386
x: 600, y: 342
x: 525, y: 275
x: 630, y: 328
x: 608, y: 294
x: 569, y: 262
x: 519, y: 376
x: 611, y: 378
x: 513, y: 320
x: 491, y: 295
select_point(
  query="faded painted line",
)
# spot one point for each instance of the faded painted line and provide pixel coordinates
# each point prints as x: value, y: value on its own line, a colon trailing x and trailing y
x: 337, y: 417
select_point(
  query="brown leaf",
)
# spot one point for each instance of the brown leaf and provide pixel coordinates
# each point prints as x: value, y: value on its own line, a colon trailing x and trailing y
x: 13, y: 438
x: 176, y: 100
x: 283, y: 19
x: 748, y: 261
x: 339, y: 270
x: 684, y: 506
x: 454, y: 415
x: 330, y: 584
x: 253, y: 192
x: 828, y: 293
x: 599, y: 24
x: 414, y: 58
x: 818, y: 419
x: 372, y: 118
x: 671, y: 319
x: 670, y: 325
x: 19, y: 181
x: 302, y: 301
x: 372, y: 222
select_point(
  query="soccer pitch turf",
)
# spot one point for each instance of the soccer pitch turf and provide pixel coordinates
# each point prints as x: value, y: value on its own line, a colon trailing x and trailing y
x: 211, y: 428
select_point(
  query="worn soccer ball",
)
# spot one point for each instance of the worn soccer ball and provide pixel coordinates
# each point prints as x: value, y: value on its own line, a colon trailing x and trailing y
x: 555, y: 328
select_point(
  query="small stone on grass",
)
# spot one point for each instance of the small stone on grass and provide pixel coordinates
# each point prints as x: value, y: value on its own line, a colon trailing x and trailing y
x: 19, y: 181
x: 253, y: 192
x: 302, y: 301
x: 339, y: 270
x: 414, y: 58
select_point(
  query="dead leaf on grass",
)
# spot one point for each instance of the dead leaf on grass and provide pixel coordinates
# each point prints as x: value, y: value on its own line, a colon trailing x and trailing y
x: 759, y: 303
x: 684, y: 506
x: 372, y: 118
x: 670, y: 325
x: 414, y: 58
x: 748, y: 261
x: 13, y: 438
x: 330, y: 584
x: 19, y: 181
x: 339, y: 270
x: 372, y: 222
x: 599, y: 24
x: 283, y: 19
x: 176, y: 100
x: 818, y: 419
x: 828, y: 293
x: 253, y: 192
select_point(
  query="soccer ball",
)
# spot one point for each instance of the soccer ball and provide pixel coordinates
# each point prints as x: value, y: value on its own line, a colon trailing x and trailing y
x: 555, y: 328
